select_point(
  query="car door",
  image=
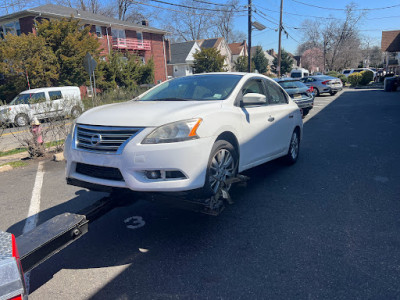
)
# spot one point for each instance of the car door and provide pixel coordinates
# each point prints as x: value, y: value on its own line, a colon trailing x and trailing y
x: 56, y: 103
x: 256, y: 144
x: 38, y: 105
x: 280, y: 118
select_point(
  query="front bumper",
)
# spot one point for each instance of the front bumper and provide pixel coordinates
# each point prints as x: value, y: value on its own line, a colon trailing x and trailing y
x: 189, y: 157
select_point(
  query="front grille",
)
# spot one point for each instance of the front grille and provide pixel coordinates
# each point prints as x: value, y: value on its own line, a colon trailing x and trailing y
x: 108, y: 140
x: 99, y: 172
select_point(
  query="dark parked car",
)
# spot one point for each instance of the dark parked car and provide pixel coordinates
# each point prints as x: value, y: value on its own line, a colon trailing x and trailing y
x: 302, y: 95
x: 323, y: 84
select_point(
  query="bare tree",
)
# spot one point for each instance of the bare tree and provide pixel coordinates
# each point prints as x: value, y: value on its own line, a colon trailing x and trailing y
x: 191, y: 22
x: 93, y: 6
x: 224, y: 23
x: 339, y: 40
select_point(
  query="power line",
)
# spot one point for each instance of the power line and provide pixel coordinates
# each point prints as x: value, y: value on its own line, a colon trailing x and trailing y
x: 175, y: 10
x: 212, y: 3
x: 192, y: 7
x: 261, y: 16
x: 299, y: 15
x: 344, y: 9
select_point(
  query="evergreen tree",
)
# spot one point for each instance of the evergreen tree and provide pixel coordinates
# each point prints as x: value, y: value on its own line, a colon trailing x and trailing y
x: 23, y: 58
x: 260, y: 61
x: 70, y: 43
x: 286, y: 62
x: 208, y: 60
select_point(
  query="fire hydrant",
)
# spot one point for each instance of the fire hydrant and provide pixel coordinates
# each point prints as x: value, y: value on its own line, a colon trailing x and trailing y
x: 36, y: 146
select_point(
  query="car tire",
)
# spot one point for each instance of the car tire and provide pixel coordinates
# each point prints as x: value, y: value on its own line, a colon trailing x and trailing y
x: 294, y: 148
x: 21, y: 120
x: 76, y: 111
x: 316, y: 92
x: 222, y: 164
x: 332, y: 93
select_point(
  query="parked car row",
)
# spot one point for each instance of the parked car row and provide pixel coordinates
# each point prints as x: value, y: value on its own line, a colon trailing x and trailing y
x: 304, y: 90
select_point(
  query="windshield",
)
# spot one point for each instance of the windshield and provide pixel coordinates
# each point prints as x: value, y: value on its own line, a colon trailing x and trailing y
x: 197, y: 88
x: 21, y: 99
x: 291, y: 84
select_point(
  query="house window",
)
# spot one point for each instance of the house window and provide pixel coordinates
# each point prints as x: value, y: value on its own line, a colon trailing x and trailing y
x: 98, y: 31
x: 139, y: 37
x: 118, y: 33
x: 12, y: 27
x: 143, y: 59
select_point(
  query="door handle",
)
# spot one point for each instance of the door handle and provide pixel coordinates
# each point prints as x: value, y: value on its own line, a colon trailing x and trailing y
x: 290, y: 116
x: 271, y: 119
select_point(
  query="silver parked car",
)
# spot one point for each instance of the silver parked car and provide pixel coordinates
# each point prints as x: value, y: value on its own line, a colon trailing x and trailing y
x: 323, y: 84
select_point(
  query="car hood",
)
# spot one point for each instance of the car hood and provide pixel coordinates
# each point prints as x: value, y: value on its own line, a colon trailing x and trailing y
x: 146, y: 113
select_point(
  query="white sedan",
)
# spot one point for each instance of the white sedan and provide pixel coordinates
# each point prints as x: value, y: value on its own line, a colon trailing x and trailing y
x: 188, y: 133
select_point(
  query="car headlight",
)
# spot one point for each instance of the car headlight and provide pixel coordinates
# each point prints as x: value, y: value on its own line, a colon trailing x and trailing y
x: 174, y: 132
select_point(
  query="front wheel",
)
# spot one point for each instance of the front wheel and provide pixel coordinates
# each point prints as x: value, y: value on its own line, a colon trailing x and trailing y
x: 21, y: 120
x: 76, y: 112
x: 291, y: 157
x: 222, y: 165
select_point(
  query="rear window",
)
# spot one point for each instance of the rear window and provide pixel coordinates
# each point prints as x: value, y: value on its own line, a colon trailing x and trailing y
x: 55, y: 95
x: 346, y: 71
x: 296, y: 75
x: 291, y: 84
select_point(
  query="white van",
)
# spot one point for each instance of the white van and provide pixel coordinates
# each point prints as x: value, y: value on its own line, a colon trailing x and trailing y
x: 299, y: 73
x: 347, y: 72
x: 42, y: 103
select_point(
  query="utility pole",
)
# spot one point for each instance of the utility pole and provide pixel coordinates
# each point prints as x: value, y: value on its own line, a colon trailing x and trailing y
x: 249, y: 38
x: 279, y: 43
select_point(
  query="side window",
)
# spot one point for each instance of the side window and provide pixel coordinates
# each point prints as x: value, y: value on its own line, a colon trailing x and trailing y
x: 275, y: 94
x: 37, y: 98
x: 253, y: 86
x: 55, y: 95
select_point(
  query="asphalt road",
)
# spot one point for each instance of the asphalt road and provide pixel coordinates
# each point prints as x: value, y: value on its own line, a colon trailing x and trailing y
x: 327, y: 227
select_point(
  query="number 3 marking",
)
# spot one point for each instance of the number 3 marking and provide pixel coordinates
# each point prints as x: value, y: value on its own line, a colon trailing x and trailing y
x: 134, y: 222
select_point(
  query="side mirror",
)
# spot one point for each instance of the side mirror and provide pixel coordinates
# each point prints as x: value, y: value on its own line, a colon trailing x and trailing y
x: 254, y: 99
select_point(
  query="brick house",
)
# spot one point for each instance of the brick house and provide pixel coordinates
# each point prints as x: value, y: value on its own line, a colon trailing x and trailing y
x: 146, y: 41
x: 391, y: 48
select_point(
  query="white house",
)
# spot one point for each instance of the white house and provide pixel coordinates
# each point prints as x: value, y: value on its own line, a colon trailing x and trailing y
x: 181, y: 63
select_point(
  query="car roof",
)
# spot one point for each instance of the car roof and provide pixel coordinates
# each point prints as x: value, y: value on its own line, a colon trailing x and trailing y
x: 38, y: 90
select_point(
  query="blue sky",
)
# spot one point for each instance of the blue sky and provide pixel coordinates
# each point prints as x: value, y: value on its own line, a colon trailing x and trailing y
x: 371, y: 26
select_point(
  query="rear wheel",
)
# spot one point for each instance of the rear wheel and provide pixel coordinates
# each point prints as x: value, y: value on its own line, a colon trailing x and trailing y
x: 316, y: 92
x: 332, y: 93
x: 21, y: 120
x: 76, y: 112
x: 222, y: 165
x: 294, y: 148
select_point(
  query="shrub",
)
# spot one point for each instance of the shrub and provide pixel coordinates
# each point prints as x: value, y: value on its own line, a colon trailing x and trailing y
x: 343, y: 78
x: 366, y: 77
x: 354, y: 79
x: 333, y: 74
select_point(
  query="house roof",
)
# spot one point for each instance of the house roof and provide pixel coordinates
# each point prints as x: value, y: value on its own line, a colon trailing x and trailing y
x: 209, y: 43
x: 236, y: 48
x: 179, y: 52
x: 58, y: 11
x: 391, y: 41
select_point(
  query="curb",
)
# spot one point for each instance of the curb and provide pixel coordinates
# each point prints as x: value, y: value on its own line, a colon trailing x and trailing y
x: 58, y: 156
x: 5, y: 168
